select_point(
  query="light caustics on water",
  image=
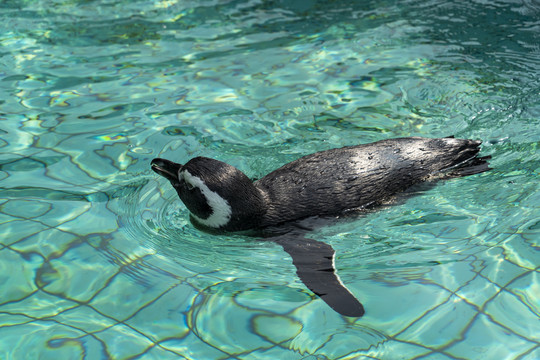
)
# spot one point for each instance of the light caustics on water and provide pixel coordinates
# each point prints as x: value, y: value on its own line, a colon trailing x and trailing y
x: 108, y: 264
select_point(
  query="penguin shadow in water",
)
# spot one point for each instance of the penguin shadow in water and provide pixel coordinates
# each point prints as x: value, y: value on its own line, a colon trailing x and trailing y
x: 285, y: 205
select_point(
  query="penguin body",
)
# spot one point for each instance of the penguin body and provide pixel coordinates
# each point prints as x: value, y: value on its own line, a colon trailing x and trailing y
x: 330, y: 182
x: 221, y: 197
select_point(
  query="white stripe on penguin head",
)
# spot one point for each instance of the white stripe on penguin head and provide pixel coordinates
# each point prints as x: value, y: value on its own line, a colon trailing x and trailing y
x: 221, y: 210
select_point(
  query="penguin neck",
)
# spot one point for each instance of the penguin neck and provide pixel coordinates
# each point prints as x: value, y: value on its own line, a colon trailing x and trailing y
x: 249, y: 208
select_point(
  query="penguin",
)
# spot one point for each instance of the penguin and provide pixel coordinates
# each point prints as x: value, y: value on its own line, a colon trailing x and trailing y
x: 221, y: 198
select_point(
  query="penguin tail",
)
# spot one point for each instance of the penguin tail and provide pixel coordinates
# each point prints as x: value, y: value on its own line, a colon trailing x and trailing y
x: 472, y: 166
x: 460, y: 157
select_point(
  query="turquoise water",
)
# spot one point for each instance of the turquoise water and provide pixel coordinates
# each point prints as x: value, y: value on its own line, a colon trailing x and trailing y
x: 98, y: 259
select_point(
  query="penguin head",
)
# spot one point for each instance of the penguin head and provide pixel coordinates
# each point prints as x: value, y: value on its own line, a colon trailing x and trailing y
x: 218, y: 195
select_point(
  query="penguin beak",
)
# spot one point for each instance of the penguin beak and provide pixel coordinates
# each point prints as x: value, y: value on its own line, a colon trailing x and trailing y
x: 166, y: 168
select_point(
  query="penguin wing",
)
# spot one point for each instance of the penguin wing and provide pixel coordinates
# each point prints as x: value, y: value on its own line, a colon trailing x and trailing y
x: 314, y: 261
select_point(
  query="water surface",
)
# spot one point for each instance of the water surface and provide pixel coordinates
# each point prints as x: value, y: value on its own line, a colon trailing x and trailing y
x: 98, y: 259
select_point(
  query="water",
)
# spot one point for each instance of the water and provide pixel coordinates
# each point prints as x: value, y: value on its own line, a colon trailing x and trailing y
x: 98, y: 259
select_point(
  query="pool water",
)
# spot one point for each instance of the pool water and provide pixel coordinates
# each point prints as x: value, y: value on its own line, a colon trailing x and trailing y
x: 98, y: 259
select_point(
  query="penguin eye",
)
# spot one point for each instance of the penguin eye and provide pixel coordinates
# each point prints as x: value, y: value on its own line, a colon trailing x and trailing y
x: 189, y: 186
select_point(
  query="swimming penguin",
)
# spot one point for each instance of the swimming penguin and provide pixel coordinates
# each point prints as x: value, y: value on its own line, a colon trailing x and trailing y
x: 222, y: 198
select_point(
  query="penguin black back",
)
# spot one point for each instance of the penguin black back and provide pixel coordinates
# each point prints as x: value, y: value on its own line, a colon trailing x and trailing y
x: 356, y: 177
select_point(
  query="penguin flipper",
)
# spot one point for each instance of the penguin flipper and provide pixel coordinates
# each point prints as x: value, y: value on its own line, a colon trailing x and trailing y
x: 314, y: 261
